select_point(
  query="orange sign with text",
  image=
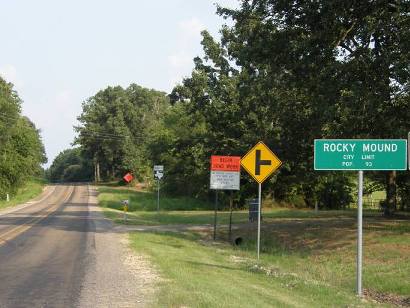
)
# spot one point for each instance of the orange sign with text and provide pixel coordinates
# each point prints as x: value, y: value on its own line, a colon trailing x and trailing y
x: 225, y: 163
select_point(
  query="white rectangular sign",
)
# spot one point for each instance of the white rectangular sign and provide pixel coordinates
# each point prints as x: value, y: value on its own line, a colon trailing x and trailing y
x: 225, y: 180
x: 158, y: 172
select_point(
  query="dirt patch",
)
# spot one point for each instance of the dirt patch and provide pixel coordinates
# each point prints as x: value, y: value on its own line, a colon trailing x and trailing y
x: 142, y: 186
x: 237, y: 259
x: 387, y: 298
x: 142, y: 269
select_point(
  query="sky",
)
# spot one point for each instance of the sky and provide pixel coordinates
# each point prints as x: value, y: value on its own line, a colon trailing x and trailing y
x: 59, y: 53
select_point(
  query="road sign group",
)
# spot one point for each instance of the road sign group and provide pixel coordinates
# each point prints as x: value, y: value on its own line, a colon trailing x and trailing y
x: 329, y: 154
x: 260, y: 162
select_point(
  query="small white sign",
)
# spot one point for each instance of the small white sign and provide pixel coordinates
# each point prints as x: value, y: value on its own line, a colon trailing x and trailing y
x: 225, y: 180
x: 158, y: 172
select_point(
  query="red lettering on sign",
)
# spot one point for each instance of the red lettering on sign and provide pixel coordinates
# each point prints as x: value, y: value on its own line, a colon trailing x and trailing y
x: 225, y: 163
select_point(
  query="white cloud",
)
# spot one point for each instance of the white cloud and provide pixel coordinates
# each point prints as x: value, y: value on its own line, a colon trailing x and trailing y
x: 180, y: 59
x: 191, y: 28
x: 62, y: 100
x: 55, y: 113
x: 9, y: 73
x: 181, y: 64
x: 232, y: 4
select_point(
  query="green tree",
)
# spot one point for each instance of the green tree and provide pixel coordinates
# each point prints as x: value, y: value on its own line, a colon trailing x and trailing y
x: 340, y: 68
x: 177, y: 144
x: 114, y: 129
x: 70, y: 166
x: 21, y: 148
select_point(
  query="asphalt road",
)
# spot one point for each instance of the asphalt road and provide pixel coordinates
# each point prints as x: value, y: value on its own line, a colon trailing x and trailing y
x: 49, y: 256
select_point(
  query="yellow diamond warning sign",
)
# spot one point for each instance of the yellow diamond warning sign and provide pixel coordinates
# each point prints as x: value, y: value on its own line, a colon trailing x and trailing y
x: 260, y: 162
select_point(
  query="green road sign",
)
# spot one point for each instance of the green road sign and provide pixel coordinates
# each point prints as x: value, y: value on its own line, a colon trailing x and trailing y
x: 360, y: 154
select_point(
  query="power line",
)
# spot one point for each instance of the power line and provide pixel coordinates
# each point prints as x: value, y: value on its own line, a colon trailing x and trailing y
x: 91, y: 134
x: 101, y: 135
x: 104, y: 138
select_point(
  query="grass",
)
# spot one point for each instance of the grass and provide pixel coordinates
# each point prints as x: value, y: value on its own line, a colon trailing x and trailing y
x: 302, y: 265
x: 30, y: 190
x: 329, y: 247
x: 371, y: 201
x: 147, y: 201
x: 307, y: 258
x: 143, y: 205
x: 207, y: 217
x: 201, y: 274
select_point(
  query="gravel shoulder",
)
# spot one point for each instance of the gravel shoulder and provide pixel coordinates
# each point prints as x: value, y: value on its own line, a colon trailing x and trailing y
x: 115, y: 275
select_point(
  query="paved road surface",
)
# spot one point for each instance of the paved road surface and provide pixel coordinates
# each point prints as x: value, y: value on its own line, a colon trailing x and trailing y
x: 59, y: 251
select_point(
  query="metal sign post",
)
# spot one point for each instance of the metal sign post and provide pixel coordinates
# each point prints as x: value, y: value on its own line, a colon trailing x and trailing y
x: 230, y: 215
x: 216, y: 212
x: 158, y: 197
x: 359, y: 235
x: 259, y: 216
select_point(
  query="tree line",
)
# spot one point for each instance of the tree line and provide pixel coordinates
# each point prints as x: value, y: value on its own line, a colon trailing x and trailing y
x: 286, y: 73
x: 21, y: 148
